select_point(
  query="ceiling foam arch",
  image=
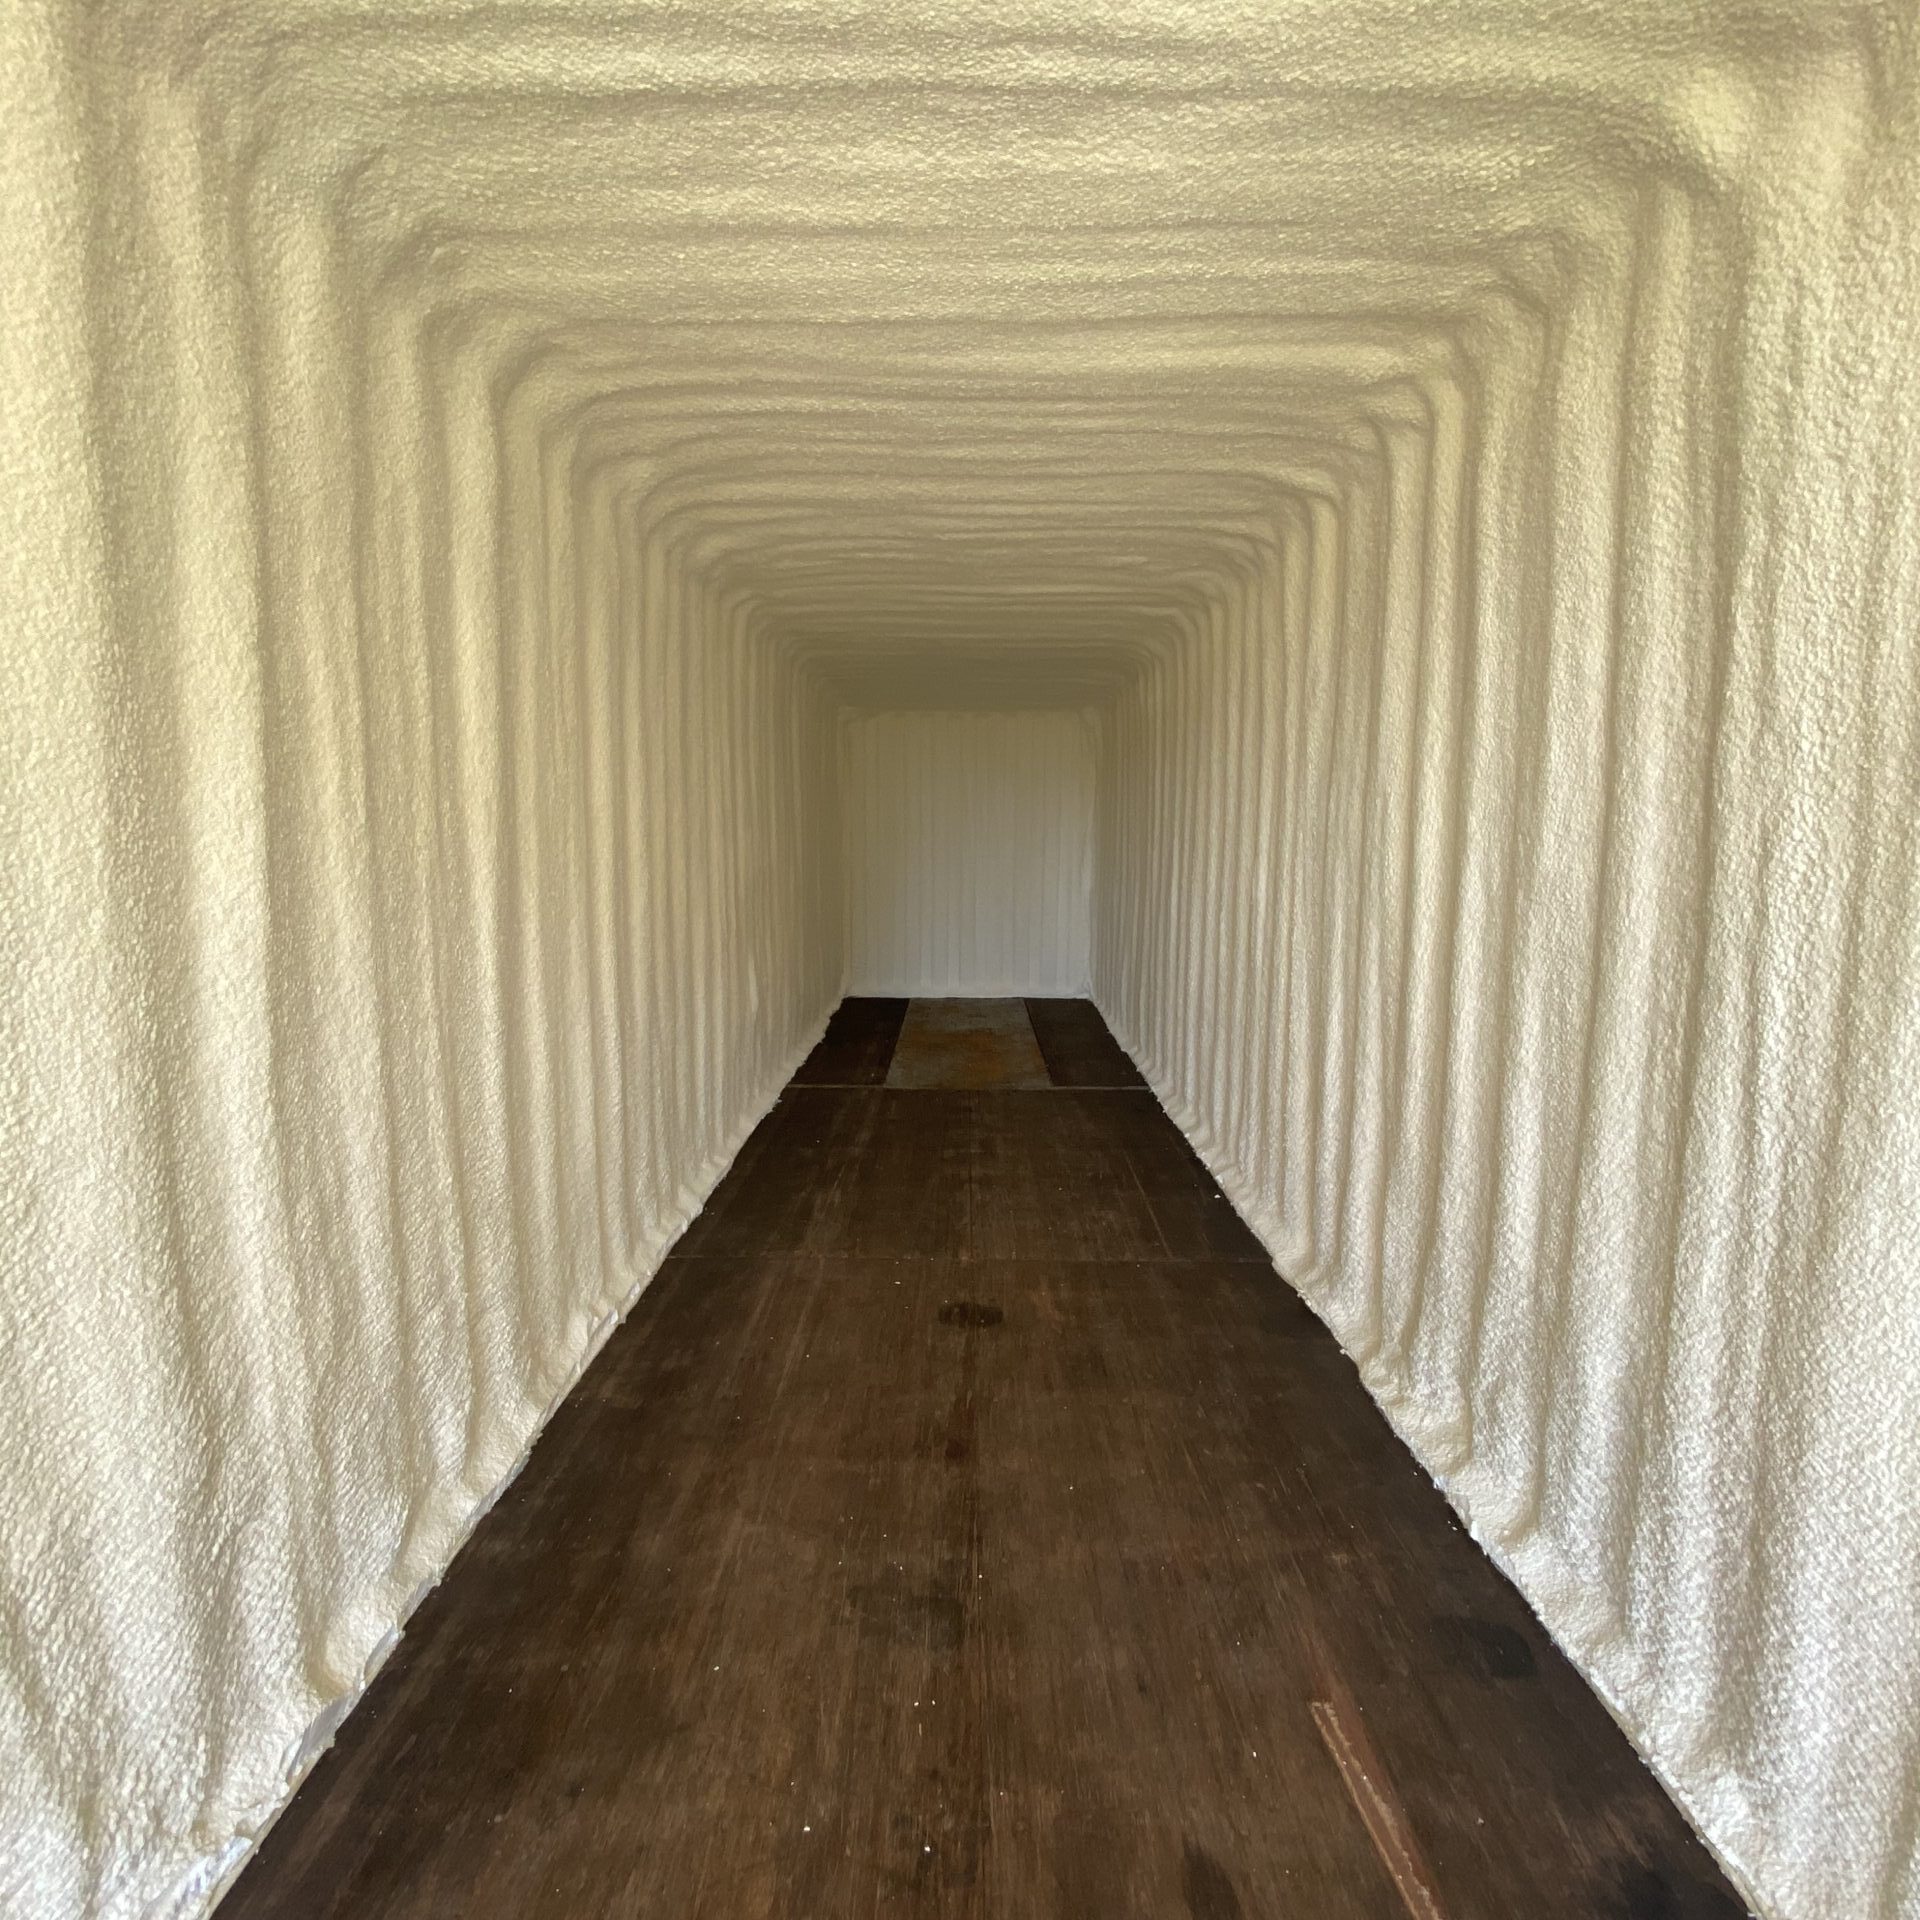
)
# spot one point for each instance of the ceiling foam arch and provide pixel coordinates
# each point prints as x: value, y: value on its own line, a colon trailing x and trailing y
x: 474, y: 463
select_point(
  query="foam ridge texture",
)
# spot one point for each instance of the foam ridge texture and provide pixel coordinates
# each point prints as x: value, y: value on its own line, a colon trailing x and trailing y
x: 1452, y: 460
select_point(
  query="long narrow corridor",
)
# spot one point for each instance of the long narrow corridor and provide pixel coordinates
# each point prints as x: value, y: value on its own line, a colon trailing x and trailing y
x: 968, y: 1522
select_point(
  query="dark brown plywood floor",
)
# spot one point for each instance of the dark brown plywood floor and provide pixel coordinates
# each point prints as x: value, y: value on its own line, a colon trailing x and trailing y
x: 969, y: 1522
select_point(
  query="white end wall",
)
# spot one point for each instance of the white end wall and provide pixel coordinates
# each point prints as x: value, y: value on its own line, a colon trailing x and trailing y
x: 968, y: 851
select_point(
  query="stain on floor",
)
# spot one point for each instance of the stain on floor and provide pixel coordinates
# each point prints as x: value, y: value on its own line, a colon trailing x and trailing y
x: 967, y: 1043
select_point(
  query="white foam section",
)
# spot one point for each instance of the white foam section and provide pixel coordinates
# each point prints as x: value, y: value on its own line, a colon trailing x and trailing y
x: 459, y: 462
x: 1510, y: 888
x: 968, y: 852
x: 417, y: 882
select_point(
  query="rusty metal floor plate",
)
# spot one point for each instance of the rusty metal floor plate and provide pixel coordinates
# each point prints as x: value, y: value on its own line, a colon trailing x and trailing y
x: 967, y: 1043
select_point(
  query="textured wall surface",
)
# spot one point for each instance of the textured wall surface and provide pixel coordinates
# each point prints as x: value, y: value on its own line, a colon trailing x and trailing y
x: 417, y: 882
x: 969, y: 843
x: 462, y: 462
x: 1510, y: 884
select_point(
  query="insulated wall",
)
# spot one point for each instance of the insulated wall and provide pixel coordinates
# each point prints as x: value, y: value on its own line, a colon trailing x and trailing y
x: 1511, y: 888
x: 416, y: 884
x: 968, y: 852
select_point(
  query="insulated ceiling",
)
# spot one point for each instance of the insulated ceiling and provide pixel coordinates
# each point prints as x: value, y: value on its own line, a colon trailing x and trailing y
x: 975, y: 351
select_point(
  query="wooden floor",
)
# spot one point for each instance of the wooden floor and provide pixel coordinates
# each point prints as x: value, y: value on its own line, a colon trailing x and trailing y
x: 969, y: 1522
